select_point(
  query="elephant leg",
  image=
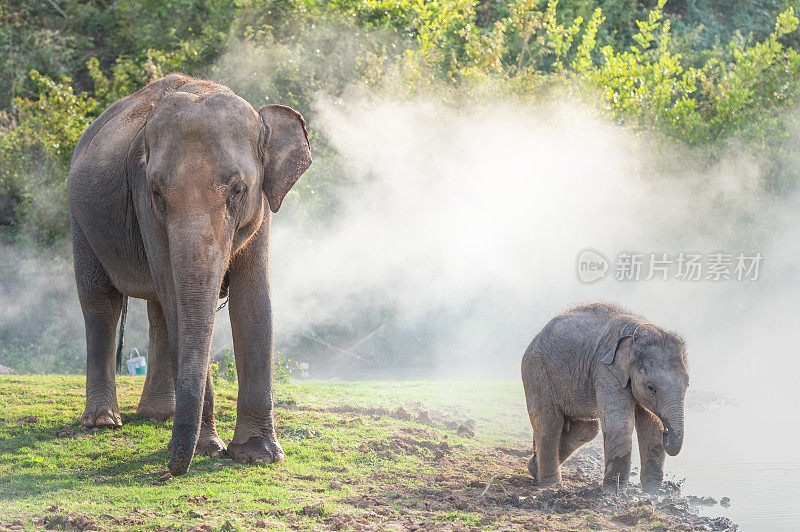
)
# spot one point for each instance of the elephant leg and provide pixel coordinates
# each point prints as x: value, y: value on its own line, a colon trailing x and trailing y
x: 616, y: 421
x: 209, y: 443
x: 158, y: 396
x: 649, y: 432
x: 254, y: 439
x: 532, y: 468
x: 547, y: 439
x: 575, y: 434
x: 101, y: 304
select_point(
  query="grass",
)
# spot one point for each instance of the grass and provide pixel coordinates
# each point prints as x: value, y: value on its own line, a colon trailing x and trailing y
x: 359, y: 455
x: 334, y: 445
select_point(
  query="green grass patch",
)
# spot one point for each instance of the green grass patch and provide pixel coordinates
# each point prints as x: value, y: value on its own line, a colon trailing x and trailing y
x: 338, y: 450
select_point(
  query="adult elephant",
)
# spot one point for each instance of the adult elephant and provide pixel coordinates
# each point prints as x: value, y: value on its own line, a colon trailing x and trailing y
x: 170, y: 192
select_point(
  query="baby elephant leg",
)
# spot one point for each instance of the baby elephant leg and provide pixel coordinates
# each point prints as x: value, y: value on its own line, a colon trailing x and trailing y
x: 617, y: 428
x: 547, y: 438
x: 576, y: 433
x: 649, y: 432
x: 532, y: 460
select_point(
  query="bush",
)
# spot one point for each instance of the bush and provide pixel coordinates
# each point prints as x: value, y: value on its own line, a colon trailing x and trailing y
x: 284, y: 368
x: 35, y: 154
x: 647, y: 74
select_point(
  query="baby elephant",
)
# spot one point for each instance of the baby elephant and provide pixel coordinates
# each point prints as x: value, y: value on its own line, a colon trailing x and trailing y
x: 597, y: 362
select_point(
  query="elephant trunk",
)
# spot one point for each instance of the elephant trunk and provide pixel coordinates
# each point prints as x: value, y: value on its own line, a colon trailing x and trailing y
x: 672, y: 419
x: 198, y: 266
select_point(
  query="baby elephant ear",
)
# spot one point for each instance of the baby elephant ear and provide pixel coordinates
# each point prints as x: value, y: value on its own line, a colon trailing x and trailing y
x: 618, y: 359
x: 285, y: 151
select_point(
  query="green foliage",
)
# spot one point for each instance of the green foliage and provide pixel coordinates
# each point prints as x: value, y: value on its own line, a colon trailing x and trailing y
x: 35, y: 154
x: 709, y: 22
x: 284, y: 368
x: 185, y: 34
x: 691, y: 70
x: 226, y: 371
x: 649, y: 85
x: 229, y: 372
x: 40, y: 357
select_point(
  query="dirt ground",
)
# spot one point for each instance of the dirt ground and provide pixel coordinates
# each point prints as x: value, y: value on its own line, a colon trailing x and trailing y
x: 508, y: 500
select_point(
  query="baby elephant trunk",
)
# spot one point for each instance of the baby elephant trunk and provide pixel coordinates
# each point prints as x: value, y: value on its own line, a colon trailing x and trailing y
x: 673, y: 430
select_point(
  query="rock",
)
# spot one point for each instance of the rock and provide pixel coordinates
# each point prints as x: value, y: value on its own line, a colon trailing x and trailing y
x: 5, y: 370
x: 263, y: 523
x: 402, y: 413
x: 70, y: 521
x: 467, y: 432
x: 314, y: 510
x: 725, y: 502
x: 702, y: 501
x: 335, y: 485
x: 425, y: 417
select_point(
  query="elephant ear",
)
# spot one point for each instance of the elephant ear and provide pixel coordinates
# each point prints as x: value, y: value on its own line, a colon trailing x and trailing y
x: 619, y: 358
x: 285, y: 151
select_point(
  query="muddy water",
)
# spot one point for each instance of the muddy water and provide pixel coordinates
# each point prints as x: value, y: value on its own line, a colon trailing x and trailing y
x: 745, y: 451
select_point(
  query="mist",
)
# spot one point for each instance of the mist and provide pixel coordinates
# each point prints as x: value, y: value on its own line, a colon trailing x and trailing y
x: 461, y: 231
x: 466, y: 223
x: 456, y: 235
x: 436, y: 233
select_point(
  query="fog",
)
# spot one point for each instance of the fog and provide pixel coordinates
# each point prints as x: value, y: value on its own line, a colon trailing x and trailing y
x: 472, y: 217
x: 455, y: 237
x: 462, y: 227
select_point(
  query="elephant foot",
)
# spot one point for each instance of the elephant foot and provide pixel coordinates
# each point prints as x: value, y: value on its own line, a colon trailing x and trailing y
x: 618, y: 471
x: 256, y: 450
x: 532, y: 466
x: 211, y: 445
x: 651, y: 484
x: 546, y: 483
x: 155, y: 413
x: 101, y: 417
x: 614, y: 488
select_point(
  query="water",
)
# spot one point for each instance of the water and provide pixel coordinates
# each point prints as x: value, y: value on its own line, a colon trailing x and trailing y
x: 747, y: 452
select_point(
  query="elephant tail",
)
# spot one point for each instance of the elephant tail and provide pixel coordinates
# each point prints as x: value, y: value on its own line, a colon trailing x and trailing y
x: 122, y: 331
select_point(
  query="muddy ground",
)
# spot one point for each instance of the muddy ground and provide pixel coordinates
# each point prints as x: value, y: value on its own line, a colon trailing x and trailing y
x: 493, y: 486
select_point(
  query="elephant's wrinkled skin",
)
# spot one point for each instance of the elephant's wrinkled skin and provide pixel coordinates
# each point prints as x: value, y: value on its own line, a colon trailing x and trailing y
x: 598, y: 366
x: 170, y: 192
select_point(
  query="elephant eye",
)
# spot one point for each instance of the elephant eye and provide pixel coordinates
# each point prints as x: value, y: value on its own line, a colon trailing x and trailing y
x: 155, y: 190
x: 237, y: 188
x: 651, y: 388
